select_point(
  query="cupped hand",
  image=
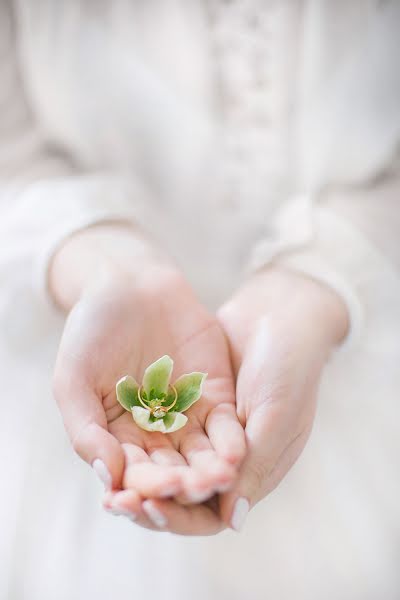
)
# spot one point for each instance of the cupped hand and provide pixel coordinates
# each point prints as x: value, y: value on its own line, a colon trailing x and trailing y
x: 281, y: 327
x: 119, y: 326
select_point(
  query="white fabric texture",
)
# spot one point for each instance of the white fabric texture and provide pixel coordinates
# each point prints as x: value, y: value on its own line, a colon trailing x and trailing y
x: 270, y: 130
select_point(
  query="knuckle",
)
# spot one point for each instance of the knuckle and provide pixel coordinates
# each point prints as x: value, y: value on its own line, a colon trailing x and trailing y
x: 82, y: 440
x: 259, y: 470
x: 63, y: 383
x: 78, y: 444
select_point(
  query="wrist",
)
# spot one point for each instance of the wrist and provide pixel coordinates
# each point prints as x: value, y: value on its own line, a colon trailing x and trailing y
x: 295, y: 301
x: 104, y: 256
x: 312, y: 304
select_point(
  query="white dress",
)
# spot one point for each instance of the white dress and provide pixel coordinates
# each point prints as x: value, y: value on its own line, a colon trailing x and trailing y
x: 270, y: 131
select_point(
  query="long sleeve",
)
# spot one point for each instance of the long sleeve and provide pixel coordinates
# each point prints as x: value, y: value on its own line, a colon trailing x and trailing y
x: 344, y: 229
x: 350, y: 242
x: 44, y: 196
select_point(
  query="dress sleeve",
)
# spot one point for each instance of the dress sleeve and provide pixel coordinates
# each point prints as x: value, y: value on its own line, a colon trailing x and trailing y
x: 44, y: 196
x: 349, y: 241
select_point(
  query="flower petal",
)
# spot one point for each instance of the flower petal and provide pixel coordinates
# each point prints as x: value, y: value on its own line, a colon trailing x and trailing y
x: 141, y: 416
x: 174, y: 421
x: 189, y: 388
x: 157, y: 376
x: 171, y: 422
x: 127, y: 392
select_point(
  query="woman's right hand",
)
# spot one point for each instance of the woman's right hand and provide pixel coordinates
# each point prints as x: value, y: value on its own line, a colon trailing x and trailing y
x: 128, y: 307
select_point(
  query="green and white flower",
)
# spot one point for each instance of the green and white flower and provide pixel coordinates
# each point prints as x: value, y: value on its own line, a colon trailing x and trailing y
x: 152, y: 402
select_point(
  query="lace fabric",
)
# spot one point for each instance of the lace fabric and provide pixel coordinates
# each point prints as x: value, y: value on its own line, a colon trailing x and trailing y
x: 254, y: 46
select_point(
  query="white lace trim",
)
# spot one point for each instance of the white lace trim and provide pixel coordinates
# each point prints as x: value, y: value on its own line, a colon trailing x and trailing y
x: 254, y: 44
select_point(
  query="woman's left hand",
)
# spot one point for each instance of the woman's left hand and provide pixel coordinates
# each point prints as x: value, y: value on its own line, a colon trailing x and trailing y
x: 281, y: 327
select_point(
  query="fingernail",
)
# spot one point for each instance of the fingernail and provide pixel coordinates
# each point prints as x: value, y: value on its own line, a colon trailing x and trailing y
x: 239, y: 514
x: 102, y: 473
x: 224, y: 487
x: 154, y: 514
x: 121, y: 512
x: 199, y: 496
x: 170, y: 490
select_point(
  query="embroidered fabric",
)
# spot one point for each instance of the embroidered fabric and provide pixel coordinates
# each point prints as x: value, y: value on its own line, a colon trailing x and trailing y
x: 254, y: 44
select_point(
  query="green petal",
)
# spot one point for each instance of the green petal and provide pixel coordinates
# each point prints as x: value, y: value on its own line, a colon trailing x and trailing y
x: 171, y: 422
x: 189, y: 388
x: 174, y: 421
x: 157, y: 376
x: 127, y: 392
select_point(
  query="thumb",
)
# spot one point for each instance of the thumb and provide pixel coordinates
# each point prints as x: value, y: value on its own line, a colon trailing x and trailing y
x: 86, y: 424
x: 270, y: 455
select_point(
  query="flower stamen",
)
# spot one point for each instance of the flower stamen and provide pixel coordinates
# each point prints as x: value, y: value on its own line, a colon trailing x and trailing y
x: 155, y: 408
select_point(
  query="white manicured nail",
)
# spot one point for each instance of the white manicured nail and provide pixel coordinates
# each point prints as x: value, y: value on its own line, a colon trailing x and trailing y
x: 102, y: 473
x: 239, y: 514
x: 154, y: 514
x: 170, y: 490
x: 199, y: 496
x: 121, y: 512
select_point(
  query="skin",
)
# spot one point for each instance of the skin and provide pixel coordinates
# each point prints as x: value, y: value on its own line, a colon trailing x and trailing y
x: 281, y: 327
x: 264, y: 352
x: 120, y: 320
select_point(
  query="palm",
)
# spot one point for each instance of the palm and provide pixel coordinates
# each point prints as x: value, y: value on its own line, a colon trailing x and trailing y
x: 116, y: 336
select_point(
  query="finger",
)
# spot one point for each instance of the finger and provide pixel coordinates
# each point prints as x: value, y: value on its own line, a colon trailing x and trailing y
x: 167, y: 457
x: 148, y: 478
x: 86, y: 424
x: 209, y: 472
x: 267, y: 439
x: 192, y: 482
x: 162, y: 452
x: 226, y: 434
x: 164, y: 514
x: 126, y: 503
x: 167, y: 515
